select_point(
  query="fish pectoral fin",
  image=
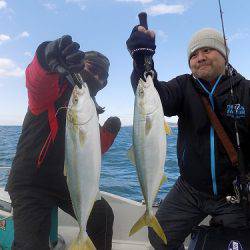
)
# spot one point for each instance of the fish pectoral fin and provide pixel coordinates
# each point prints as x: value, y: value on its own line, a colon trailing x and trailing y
x: 131, y: 155
x: 148, y: 125
x: 82, y: 135
x: 167, y: 128
x: 163, y: 179
x: 81, y: 243
x: 150, y: 221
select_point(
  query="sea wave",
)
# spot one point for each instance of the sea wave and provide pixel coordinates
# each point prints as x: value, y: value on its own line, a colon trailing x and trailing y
x: 118, y: 175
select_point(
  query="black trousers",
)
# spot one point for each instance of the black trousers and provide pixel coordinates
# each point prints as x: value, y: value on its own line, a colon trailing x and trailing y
x: 32, y: 219
x: 184, y: 207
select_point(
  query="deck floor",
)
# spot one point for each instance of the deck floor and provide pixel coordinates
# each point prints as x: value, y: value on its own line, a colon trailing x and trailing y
x: 66, y: 232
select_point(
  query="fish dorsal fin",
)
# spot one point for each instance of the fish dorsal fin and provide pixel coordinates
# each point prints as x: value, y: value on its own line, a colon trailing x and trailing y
x: 131, y: 155
x: 164, y: 179
x: 167, y: 128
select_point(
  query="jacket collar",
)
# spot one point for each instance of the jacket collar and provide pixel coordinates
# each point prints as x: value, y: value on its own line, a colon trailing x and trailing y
x: 223, y: 86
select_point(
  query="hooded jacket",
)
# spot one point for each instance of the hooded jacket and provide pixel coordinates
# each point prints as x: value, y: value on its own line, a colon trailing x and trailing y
x: 202, y: 159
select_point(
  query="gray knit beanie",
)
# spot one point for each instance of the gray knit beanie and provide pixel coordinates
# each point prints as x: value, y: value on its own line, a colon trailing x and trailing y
x: 207, y: 37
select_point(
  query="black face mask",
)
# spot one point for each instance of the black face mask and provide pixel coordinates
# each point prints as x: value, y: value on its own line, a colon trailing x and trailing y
x: 99, y: 109
x: 93, y: 84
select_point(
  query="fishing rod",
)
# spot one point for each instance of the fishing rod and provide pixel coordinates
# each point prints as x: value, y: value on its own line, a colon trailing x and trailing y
x: 223, y: 31
x: 241, y: 184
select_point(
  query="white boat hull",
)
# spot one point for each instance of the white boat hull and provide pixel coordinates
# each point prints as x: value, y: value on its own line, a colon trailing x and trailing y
x: 126, y: 212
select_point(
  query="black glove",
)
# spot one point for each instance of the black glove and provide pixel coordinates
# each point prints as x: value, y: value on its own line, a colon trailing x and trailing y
x: 140, y: 44
x: 112, y: 125
x: 64, y: 57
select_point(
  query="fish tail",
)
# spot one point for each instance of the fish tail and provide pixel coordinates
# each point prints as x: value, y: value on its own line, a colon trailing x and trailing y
x: 142, y: 222
x: 153, y: 222
x: 82, y: 243
x: 150, y: 221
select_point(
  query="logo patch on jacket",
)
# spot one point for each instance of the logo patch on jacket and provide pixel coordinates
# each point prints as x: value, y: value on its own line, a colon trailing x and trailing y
x: 234, y: 245
x: 236, y: 111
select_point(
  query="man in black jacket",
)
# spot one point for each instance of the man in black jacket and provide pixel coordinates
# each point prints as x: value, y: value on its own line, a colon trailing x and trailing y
x: 206, y: 172
x: 36, y: 182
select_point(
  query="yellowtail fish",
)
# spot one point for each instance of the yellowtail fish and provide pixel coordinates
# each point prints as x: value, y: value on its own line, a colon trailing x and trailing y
x: 149, y: 150
x: 82, y: 160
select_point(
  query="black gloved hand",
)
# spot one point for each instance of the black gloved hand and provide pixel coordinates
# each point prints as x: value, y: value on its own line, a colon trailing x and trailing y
x: 63, y: 56
x: 140, y: 43
x: 112, y: 125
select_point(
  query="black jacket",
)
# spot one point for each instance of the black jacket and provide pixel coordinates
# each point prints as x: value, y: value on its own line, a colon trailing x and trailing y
x: 195, y: 151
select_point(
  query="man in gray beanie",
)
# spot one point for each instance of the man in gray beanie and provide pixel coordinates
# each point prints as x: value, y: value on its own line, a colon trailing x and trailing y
x: 36, y: 183
x: 207, y: 38
x: 206, y: 171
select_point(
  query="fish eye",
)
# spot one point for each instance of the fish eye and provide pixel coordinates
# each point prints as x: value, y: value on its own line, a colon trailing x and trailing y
x: 75, y: 100
x: 141, y: 92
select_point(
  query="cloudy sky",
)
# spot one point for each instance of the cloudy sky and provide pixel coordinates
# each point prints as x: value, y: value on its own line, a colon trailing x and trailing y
x: 105, y: 25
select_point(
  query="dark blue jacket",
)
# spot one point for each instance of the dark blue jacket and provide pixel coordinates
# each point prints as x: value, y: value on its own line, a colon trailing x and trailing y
x: 202, y: 159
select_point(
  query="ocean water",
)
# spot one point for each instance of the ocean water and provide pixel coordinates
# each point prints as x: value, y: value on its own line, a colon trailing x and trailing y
x: 118, y: 175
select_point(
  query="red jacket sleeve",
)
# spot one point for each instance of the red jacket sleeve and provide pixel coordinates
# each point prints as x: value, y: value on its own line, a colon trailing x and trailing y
x: 107, y: 139
x: 43, y: 87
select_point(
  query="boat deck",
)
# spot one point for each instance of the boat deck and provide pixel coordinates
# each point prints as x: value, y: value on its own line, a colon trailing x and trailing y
x: 126, y: 213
